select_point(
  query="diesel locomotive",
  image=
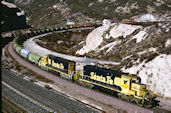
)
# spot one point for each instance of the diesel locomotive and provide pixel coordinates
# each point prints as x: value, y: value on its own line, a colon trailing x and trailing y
x: 127, y: 86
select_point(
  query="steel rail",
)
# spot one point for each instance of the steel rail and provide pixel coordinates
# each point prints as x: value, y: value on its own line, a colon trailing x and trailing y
x: 43, y: 105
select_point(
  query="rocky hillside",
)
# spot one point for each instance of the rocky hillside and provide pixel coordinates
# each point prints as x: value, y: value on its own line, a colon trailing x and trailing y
x: 46, y: 13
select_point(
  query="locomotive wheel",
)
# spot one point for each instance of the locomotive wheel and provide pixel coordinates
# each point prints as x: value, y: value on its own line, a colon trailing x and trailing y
x: 128, y: 98
x: 131, y: 98
x: 138, y: 101
x: 119, y: 95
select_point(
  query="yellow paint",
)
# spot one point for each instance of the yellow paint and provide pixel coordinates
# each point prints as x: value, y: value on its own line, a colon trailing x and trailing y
x: 124, y: 86
x: 71, y: 67
x: 58, y: 65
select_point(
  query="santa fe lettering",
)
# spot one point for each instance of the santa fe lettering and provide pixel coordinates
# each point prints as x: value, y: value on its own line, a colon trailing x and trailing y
x: 106, y: 79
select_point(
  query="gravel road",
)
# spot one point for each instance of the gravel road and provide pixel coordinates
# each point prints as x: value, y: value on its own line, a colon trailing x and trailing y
x: 104, y: 102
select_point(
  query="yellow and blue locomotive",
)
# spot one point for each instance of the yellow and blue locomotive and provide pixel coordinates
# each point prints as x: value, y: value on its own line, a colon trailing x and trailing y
x: 127, y: 86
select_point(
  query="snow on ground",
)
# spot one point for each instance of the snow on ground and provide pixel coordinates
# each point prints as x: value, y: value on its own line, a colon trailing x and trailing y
x: 140, y: 36
x: 31, y: 46
x: 147, y: 18
x: 110, y: 46
x: 20, y: 13
x: 95, y: 38
x: 156, y: 74
x: 123, y: 30
x: 10, y: 5
x: 168, y: 43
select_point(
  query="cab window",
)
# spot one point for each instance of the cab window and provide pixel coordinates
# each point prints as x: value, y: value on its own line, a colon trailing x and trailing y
x: 125, y: 82
x: 135, y: 80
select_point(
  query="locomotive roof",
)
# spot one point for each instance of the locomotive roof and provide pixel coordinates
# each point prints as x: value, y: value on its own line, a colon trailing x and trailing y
x: 59, y: 58
x: 104, y: 70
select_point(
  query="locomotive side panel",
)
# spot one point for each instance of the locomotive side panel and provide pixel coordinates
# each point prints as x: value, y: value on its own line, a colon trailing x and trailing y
x: 100, y: 77
x: 61, y: 64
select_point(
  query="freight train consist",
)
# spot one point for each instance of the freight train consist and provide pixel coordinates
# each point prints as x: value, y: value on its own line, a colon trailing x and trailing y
x: 127, y: 86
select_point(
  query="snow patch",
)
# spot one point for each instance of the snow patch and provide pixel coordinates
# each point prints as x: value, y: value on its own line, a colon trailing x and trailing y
x: 140, y: 36
x: 10, y: 5
x: 20, y: 13
x: 110, y: 46
x: 54, y: 6
x: 155, y: 74
x: 168, y: 43
x: 34, y: 48
x: 100, y: 1
x: 106, y: 22
x: 95, y: 38
x: 123, y: 30
x: 147, y: 18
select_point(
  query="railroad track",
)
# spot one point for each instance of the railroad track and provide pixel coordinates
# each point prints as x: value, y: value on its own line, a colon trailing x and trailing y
x: 42, y: 97
x: 8, y: 106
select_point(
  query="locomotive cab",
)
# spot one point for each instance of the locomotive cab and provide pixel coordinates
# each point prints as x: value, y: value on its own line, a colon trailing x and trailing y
x: 43, y: 61
x: 131, y: 85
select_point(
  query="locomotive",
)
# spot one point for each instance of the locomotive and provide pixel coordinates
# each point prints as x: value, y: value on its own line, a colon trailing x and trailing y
x: 127, y: 86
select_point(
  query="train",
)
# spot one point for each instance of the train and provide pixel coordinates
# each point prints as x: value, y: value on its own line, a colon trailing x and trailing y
x: 126, y: 86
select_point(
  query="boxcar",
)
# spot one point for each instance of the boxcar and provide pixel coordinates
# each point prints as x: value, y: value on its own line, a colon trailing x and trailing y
x: 34, y: 58
x: 24, y: 53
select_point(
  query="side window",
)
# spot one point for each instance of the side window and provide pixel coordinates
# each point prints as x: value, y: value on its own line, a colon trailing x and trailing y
x: 125, y: 82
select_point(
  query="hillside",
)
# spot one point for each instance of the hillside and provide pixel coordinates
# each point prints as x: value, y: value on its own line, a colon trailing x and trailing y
x: 48, y: 13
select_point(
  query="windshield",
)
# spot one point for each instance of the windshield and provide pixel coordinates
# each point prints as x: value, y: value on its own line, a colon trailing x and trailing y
x: 135, y: 80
